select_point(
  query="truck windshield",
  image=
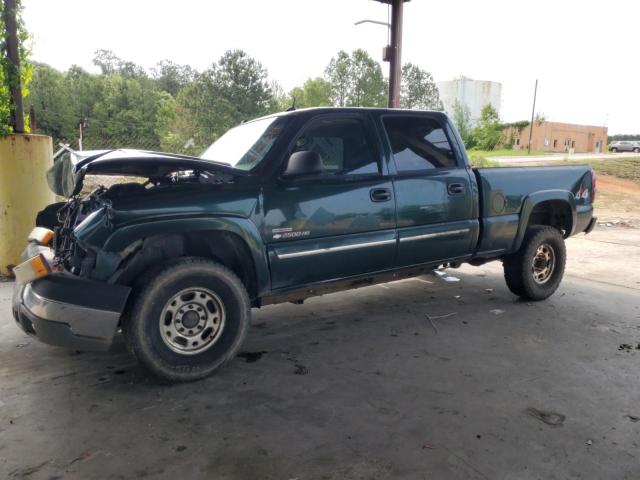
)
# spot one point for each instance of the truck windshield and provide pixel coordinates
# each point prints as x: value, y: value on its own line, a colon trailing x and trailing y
x: 246, y: 145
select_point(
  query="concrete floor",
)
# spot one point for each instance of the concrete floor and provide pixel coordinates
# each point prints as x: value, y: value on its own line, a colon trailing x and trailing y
x: 360, y: 385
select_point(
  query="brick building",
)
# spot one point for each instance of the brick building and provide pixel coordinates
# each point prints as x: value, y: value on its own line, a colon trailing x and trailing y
x: 558, y: 137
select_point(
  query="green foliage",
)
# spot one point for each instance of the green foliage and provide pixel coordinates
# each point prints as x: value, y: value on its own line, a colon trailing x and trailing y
x: 418, y: 90
x: 488, y: 134
x: 623, y: 136
x: 175, y: 108
x: 462, y: 122
x: 519, y: 125
x: 232, y: 90
x: 7, y: 73
x: 171, y: 77
x: 315, y: 92
x: 356, y: 80
x: 540, y: 118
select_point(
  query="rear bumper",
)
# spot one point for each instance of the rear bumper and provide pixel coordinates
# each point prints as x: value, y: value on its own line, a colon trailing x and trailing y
x: 591, y: 225
x: 69, y: 311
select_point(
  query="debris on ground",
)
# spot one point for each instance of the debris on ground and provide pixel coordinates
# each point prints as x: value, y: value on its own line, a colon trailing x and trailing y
x: 627, y: 347
x: 431, y: 319
x: 300, y: 370
x: 552, y: 419
x: 589, y: 442
x: 497, y: 311
x: 21, y: 345
x: 615, y: 223
x: 488, y: 290
x: 445, y: 276
x: 633, y: 418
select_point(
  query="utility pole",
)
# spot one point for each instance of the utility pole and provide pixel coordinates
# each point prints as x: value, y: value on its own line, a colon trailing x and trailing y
x: 395, y: 65
x: 393, y: 51
x: 533, y: 111
x: 16, y: 110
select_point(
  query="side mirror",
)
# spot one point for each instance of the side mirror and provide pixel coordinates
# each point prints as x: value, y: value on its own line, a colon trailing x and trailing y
x: 304, y: 162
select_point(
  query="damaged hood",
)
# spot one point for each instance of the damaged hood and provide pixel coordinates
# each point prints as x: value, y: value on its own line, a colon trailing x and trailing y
x: 67, y: 174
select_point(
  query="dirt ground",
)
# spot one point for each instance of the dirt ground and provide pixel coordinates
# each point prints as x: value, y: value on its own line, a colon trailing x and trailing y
x: 618, y: 200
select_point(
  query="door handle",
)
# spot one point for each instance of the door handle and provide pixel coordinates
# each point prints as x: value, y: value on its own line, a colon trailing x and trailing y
x: 455, y: 188
x: 380, y: 194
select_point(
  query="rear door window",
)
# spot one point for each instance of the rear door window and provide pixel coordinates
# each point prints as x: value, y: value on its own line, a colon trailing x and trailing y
x: 418, y: 143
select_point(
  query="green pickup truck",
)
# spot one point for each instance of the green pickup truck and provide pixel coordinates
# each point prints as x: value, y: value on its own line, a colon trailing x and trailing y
x: 279, y: 209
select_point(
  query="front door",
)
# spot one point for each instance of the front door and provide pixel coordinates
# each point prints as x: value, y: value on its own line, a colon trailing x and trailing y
x: 335, y: 224
x: 437, y: 218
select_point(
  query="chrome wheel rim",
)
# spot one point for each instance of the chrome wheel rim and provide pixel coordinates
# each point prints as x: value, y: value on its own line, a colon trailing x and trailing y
x: 543, y: 263
x: 192, y: 321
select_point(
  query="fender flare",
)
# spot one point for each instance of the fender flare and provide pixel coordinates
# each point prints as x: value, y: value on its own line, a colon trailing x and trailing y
x: 126, y: 235
x: 536, y: 198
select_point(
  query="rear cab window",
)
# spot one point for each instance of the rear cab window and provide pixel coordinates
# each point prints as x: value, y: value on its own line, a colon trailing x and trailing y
x: 419, y: 143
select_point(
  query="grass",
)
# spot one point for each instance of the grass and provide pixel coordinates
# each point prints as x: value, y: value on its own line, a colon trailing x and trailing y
x: 626, y: 168
x: 505, y: 153
x: 478, y: 158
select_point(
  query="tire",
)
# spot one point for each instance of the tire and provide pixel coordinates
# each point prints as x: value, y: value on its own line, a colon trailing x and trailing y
x: 188, y: 319
x: 536, y: 270
x: 636, y: 150
x: 614, y: 150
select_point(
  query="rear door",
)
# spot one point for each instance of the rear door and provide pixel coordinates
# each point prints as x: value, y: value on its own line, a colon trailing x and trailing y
x: 336, y: 224
x: 437, y: 216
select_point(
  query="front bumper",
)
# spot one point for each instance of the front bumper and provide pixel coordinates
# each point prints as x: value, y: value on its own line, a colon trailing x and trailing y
x: 69, y: 311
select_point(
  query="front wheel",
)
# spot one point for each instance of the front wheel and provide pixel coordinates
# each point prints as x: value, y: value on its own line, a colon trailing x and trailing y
x: 636, y: 150
x: 188, y: 319
x: 536, y: 270
x: 614, y: 150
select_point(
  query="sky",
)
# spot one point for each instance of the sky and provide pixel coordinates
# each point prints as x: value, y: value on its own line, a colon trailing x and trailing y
x: 583, y: 53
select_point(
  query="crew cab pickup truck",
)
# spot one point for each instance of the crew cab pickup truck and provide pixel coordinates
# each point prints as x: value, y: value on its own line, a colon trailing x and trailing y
x: 279, y: 209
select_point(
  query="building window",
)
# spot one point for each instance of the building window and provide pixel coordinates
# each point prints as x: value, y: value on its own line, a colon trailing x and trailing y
x: 573, y: 144
x: 555, y: 143
x: 516, y: 141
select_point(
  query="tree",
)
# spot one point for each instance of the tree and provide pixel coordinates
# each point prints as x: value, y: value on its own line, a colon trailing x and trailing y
x: 488, y: 134
x: 462, y: 122
x: 125, y: 116
x: 51, y: 103
x: 232, y: 90
x: 314, y: 92
x: 8, y: 75
x: 171, y: 77
x: 356, y: 80
x: 338, y: 74
x: 110, y: 64
x: 418, y: 90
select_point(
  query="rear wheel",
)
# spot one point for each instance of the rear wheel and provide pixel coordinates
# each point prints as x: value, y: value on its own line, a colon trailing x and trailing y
x: 614, y: 150
x: 636, y: 150
x: 188, y: 319
x: 536, y: 270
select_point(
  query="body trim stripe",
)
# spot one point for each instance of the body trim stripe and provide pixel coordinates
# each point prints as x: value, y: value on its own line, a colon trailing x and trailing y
x: 434, y: 235
x: 340, y: 248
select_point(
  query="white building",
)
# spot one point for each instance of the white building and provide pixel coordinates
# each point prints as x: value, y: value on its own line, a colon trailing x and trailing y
x: 475, y: 94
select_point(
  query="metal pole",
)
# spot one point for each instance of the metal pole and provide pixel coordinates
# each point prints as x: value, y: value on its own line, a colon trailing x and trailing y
x: 395, y: 66
x: 533, y: 111
x: 16, y: 109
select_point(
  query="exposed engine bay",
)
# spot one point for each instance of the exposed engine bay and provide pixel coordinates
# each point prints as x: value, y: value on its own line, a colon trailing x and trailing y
x: 65, y: 217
